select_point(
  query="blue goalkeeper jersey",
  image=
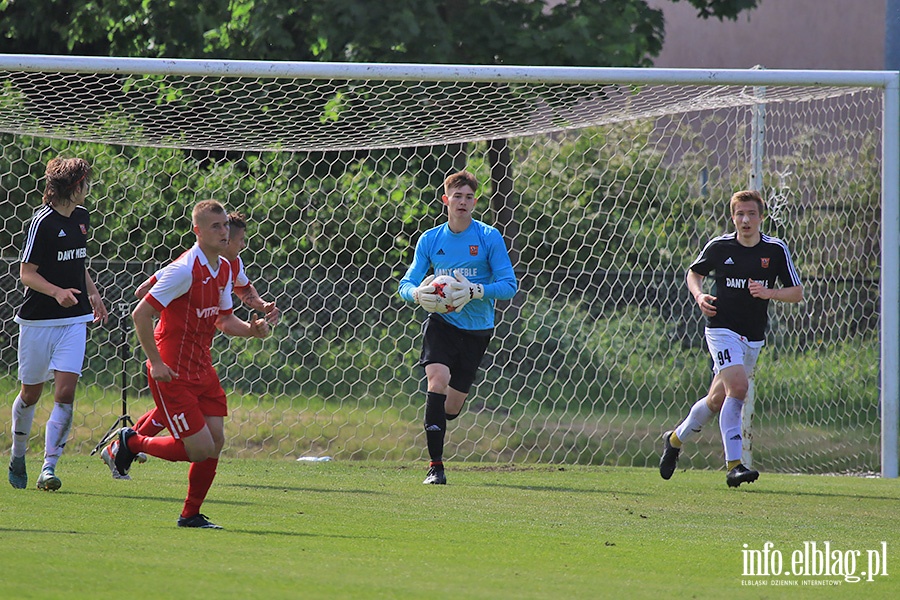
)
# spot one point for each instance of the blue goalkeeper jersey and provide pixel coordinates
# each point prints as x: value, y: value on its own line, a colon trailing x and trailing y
x: 480, y: 254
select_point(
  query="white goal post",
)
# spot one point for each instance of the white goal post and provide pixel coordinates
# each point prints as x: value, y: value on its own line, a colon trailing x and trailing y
x: 604, y: 181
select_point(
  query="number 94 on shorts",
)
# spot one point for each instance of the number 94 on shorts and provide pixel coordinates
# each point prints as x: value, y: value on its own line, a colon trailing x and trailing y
x: 729, y: 349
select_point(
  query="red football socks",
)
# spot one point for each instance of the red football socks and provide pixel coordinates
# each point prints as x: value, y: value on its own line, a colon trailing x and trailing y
x: 166, y: 448
x: 200, y: 479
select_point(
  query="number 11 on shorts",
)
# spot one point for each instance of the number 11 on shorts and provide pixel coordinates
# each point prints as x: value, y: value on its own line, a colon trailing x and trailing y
x: 180, y: 423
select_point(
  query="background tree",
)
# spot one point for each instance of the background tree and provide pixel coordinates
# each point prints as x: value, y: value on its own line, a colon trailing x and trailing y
x: 533, y: 32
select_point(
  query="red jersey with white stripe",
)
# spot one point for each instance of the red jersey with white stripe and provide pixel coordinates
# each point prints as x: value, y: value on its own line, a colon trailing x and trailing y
x: 190, y: 294
x: 239, y: 278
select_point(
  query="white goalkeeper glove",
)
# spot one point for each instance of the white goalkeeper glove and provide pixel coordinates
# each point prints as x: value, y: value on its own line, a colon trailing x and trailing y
x: 463, y: 290
x: 424, y: 295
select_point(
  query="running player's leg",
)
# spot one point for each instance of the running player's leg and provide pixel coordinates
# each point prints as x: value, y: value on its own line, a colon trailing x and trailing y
x: 702, y: 411
x: 58, y: 427
x: 179, y: 404
x: 22, y: 419
x: 699, y: 415
x: 66, y: 361
x: 202, y: 473
x: 34, y: 351
x: 150, y: 423
x: 736, y: 386
x: 438, y: 377
x: 214, y: 406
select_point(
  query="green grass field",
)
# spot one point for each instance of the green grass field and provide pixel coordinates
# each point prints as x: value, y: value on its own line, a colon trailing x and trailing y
x: 372, y: 530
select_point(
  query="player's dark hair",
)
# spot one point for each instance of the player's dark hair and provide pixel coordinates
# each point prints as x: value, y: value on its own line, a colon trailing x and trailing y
x: 748, y: 196
x: 460, y: 179
x: 237, y: 220
x: 62, y: 178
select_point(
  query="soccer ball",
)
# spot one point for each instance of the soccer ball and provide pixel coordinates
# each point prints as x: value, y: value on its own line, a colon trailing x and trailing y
x: 442, y: 289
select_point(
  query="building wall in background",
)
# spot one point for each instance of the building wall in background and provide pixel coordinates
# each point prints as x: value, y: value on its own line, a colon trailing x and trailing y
x: 778, y: 34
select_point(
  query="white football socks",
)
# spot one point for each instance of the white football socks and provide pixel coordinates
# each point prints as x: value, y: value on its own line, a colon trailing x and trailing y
x: 730, y: 426
x: 57, y: 434
x: 699, y: 416
x: 22, y: 418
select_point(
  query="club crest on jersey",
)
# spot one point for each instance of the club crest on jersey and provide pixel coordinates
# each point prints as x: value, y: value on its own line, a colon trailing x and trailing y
x: 764, y: 262
x: 83, y: 228
x: 473, y: 250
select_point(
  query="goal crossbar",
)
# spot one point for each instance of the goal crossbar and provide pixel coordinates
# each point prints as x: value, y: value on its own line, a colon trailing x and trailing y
x: 460, y: 73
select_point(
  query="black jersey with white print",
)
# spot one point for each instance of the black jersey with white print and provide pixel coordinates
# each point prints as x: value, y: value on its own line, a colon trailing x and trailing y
x: 58, y: 246
x: 732, y: 267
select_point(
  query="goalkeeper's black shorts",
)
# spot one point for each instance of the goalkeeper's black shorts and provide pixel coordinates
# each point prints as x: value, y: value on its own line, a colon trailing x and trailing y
x: 461, y: 350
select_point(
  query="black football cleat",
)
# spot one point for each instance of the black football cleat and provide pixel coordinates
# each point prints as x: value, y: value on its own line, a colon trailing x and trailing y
x: 741, y: 474
x: 124, y: 456
x: 669, y: 459
x: 435, y: 476
x: 198, y: 521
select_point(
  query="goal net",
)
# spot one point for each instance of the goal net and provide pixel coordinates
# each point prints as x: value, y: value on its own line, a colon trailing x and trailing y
x: 604, y: 182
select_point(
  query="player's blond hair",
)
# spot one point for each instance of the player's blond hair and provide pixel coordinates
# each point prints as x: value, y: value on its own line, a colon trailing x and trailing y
x: 206, y: 206
x: 748, y: 196
x: 63, y: 176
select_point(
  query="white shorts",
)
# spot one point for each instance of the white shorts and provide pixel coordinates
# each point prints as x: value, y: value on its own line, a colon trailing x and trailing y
x: 728, y: 349
x: 43, y: 350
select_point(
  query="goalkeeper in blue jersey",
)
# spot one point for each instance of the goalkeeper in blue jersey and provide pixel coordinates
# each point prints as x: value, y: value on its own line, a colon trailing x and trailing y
x: 455, y: 342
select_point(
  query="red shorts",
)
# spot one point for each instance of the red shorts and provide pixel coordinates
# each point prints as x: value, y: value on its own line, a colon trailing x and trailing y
x: 185, y: 404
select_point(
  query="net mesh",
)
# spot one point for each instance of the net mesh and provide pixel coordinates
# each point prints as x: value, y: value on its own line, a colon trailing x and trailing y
x: 604, y: 193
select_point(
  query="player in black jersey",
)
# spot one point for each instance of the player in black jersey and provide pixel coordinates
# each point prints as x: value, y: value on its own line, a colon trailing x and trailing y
x: 60, y: 299
x: 745, y: 266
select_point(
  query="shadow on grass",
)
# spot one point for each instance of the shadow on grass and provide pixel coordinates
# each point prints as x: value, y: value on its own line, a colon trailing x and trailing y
x: 50, y: 531
x: 565, y: 490
x: 819, y: 494
x: 266, y: 532
x: 300, y: 534
x: 285, y: 488
x: 167, y: 500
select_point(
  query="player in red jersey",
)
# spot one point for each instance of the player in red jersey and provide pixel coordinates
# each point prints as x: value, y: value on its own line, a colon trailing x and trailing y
x: 151, y: 422
x: 191, y: 300
x: 243, y: 288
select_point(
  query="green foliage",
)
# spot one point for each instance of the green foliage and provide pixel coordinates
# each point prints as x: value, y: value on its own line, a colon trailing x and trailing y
x: 567, y: 357
x: 582, y: 212
x: 830, y: 374
x: 574, y: 32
